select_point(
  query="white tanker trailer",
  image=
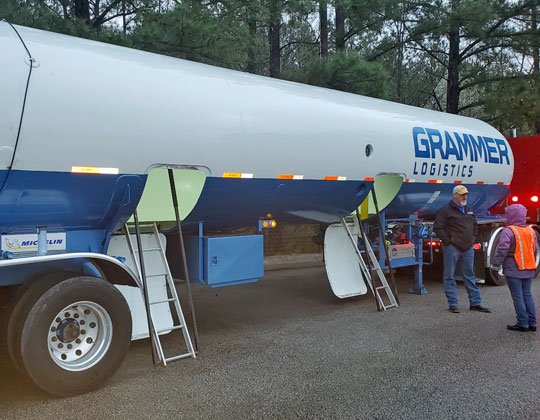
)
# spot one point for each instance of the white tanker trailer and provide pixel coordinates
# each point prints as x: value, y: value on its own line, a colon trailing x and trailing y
x: 85, y: 126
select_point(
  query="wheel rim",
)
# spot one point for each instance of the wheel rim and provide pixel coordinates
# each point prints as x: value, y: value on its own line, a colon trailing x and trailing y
x: 79, y: 336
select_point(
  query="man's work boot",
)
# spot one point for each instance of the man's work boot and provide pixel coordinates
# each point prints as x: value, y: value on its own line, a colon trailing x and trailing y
x: 479, y: 308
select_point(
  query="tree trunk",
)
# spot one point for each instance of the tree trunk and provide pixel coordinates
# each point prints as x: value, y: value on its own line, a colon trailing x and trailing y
x: 399, y: 62
x: 536, y: 45
x: 252, y: 53
x: 536, y: 53
x: 82, y: 10
x: 452, y: 87
x: 323, y: 18
x: 274, y: 40
x: 340, y: 28
x: 124, y: 20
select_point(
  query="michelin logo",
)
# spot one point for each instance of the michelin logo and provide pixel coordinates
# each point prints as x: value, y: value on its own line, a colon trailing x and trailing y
x: 29, y: 243
x: 462, y: 151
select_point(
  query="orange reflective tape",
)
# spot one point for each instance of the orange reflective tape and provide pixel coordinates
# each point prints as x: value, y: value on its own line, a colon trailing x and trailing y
x: 457, y: 181
x: 237, y: 175
x: 369, y: 178
x: 94, y: 170
x: 434, y: 181
x: 480, y: 182
x: 290, y: 176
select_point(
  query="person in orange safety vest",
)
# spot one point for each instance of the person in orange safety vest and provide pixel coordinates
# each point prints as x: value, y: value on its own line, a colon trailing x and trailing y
x: 516, y: 254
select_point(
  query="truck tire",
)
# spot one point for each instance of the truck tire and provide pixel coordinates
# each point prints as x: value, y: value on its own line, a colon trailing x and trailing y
x: 492, y: 276
x: 536, y: 229
x: 499, y: 280
x: 70, y: 336
x: 24, y: 297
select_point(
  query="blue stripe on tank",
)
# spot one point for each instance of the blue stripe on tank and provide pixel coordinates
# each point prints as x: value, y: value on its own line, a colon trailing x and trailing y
x: 67, y: 201
x: 80, y: 202
x: 242, y: 202
x: 427, y: 199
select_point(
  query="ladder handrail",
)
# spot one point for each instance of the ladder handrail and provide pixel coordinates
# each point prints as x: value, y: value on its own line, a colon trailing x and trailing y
x: 157, y: 348
x: 174, y: 293
x: 184, y: 258
x: 368, y: 272
x: 383, y: 239
x: 151, y: 327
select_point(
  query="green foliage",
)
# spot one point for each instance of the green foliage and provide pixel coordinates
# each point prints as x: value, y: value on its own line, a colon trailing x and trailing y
x: 393, y: 49
x: 347, y: 72
x: 42, y: 17
x: 515, y: 102
x: 194, y: 32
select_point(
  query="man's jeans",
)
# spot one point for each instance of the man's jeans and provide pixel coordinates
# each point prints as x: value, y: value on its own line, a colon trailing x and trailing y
x: 520, y: 289
x: 452, y: 257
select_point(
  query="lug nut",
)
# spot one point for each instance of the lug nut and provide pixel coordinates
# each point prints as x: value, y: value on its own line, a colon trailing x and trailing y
x: 89, y: 340
x: 87, y: 311
x: 92, y: 325
x: 78, y: 352
x: 67, y: 315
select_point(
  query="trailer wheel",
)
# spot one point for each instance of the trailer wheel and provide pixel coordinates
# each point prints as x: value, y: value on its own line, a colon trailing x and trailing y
x: 536, y: 229
x: 492, y: 276
x: 73, y: 335
x: 23, y: 298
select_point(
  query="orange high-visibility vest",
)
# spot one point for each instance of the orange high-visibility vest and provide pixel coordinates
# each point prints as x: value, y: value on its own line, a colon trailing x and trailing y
x: 525, y: 247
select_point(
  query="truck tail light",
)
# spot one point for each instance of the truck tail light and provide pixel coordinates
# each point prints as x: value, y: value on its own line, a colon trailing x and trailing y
x: 534, y: 199
x: 514, y: 199
x: 477, y: 246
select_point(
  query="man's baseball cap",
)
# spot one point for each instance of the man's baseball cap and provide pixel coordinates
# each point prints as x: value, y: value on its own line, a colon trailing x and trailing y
x: 461, y: 190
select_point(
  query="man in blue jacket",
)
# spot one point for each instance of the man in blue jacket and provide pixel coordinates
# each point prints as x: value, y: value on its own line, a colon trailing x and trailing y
x: 456, y: 227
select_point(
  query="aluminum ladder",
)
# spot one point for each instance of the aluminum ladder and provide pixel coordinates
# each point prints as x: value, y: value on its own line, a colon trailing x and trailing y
x: 371, y: 266
x: 172, y: 294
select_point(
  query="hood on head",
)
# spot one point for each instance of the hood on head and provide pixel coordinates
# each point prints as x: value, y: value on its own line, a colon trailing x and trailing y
x: 516, y: 214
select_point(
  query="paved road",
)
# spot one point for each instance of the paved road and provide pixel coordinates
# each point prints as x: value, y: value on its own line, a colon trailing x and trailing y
x: 286, y: 348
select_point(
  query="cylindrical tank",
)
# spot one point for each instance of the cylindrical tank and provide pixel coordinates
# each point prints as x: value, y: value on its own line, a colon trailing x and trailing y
x: 269, y: 147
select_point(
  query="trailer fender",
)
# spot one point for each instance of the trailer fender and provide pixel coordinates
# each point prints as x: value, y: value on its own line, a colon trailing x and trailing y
x: 98, y: 265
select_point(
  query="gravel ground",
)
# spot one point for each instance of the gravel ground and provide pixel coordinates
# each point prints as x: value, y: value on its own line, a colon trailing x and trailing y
x: 287, y: 348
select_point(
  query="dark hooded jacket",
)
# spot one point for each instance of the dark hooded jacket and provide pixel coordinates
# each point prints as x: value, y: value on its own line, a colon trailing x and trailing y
x: 516, y: 215
x: 456, y: 227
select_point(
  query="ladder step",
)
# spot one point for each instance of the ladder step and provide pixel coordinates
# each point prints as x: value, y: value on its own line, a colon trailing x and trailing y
x: 182, y: 356
x: 174, y: 327
x: 162, y: 301
x: 136, y: 255
x: 382, y: 287
x: 148, y: 250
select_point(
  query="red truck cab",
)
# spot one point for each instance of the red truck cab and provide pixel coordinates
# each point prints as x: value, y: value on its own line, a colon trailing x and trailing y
x: 525, y: 185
